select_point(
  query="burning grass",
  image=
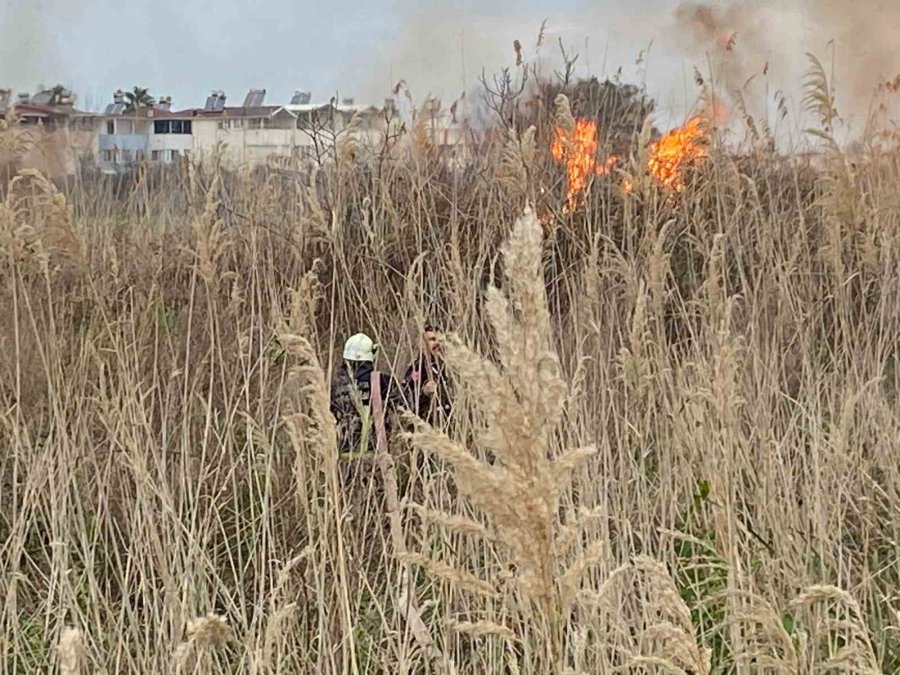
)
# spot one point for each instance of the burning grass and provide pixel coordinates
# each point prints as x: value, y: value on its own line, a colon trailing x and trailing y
x: 171, y: 497
x: 668, y: 159
x: 677, y: 150
x: 576, y: 149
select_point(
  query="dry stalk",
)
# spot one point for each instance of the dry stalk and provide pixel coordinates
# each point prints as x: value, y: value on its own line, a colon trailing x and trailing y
x: 522, y: 398
x: 203, y: 635
x: 211, y: 239
x: 72, y: 652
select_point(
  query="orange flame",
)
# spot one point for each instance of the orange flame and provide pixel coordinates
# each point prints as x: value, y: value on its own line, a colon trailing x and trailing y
x: 668, y: 158
x: 577, y: 149
x: 675, y: 151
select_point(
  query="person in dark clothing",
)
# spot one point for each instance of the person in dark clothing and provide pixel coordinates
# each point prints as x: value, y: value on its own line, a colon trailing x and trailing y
x: 351, y: 396
x: 425, y: 382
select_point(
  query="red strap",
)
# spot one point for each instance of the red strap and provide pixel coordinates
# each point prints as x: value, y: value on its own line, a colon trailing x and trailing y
x: 378, y: 413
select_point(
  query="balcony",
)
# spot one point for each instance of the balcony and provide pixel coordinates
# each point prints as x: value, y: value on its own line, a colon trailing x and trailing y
x: 131, y: 143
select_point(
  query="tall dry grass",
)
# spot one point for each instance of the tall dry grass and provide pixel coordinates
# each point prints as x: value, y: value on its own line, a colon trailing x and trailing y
x: 172, y: 496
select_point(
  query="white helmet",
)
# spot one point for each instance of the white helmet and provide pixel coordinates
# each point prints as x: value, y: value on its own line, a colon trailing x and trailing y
x: 359, y: 347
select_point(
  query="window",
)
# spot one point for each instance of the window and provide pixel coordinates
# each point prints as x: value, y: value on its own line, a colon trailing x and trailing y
x: 107, y: 155
x: 173, y: 126
x: 221, y: 124
x: 154, y: 155
x: 110, y: 127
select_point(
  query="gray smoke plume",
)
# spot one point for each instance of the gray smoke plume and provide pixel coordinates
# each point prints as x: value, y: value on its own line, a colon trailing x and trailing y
x: 734, y: 36
x: 743, y: 41
x: 865, y: 34
x: 29, y: 47
x: 440, y: 51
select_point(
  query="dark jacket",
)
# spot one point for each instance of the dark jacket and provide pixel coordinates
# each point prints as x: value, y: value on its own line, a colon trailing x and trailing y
x: 351, y: 405
x: 429, y: 408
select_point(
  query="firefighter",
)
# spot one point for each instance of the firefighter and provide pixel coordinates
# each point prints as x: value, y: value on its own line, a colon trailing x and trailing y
x: 425, y: 382
x: 362, y: 398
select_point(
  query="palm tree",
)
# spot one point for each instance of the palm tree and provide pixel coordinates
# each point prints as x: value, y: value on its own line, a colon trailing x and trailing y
x: 138, y: 98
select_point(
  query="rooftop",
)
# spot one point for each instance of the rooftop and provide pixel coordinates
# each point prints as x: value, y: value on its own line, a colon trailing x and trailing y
x: 237, y: 111
x: 301, y: 108
x: 28, y: 109
x: 150, y: 113
x: 357, y: 108
x: 186, y: 114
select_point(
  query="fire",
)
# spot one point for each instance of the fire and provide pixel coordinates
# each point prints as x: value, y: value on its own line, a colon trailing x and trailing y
x: 577, y: 149
x: 670, y: 155
x: 667, y: 162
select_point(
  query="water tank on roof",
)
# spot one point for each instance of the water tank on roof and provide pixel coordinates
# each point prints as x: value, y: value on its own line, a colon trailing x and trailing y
x: 216, y: 101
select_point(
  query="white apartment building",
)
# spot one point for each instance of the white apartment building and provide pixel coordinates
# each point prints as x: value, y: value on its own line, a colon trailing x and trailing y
x: 156, y: 134
x: 171, y: 136
x: 252, y: 133
x: 64, y: 139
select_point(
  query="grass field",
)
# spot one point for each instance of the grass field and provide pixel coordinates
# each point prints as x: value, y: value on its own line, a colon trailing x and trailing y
x: 674, y: 447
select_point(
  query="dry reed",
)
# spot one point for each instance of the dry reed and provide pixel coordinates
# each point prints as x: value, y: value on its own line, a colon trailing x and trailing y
x: 727, y: 359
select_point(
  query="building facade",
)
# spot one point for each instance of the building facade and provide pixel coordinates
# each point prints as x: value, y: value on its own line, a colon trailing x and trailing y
x: 149, y: 134
x: 254, y: 133
x: 51, y: 135
x: 62, y: 139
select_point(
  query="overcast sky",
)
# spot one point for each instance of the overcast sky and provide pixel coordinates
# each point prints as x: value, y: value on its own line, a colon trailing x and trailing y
x: 185, y: 48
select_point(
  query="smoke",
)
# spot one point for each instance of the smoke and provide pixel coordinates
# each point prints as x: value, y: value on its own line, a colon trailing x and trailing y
x: 754, y: 50
x: 865, y: 34
x: 745, y: 43
x: 363, y: 48
x: 733, y: 36
x: 29, y: 51
x: 440, y: 51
